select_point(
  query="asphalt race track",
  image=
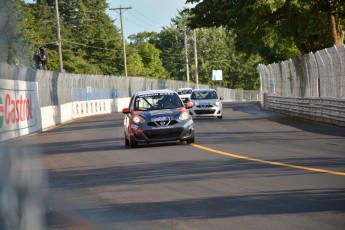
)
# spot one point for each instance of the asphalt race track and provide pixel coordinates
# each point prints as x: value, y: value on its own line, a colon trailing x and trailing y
x: 250, y: 170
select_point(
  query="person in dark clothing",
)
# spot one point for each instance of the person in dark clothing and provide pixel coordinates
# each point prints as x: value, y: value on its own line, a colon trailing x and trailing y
x: 38, y: 59
x: 44, y: 57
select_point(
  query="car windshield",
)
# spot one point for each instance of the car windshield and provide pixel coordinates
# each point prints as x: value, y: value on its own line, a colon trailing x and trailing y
x: 202, y: 95
x: 184, y: 91
x: 156, y: 101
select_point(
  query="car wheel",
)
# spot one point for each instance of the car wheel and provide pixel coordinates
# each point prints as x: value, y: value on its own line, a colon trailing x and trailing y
x: 132, y: 143
x: 126, y: 141
x: 220, y: 117
x: 190, y: 141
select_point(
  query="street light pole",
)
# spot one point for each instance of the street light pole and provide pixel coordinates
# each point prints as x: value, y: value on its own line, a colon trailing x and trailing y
x: 58, y: 35
x: 196, y: 60
x: 186, y: 52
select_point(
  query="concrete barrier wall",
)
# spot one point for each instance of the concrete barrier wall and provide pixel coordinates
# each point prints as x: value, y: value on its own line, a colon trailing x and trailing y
x: 324, y: 110
x: 19, y: 109
x: 54, y: 115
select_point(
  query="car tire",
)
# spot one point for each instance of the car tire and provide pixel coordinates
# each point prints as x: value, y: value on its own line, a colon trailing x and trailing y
x: 220, y: 117
x: 126, y: 141
x: 190, y: 141
x: 132, y: 143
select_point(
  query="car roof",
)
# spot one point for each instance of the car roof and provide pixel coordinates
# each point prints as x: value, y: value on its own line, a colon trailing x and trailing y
x: 155, y: 91
x: 204, y: 90
x: 184, y: 88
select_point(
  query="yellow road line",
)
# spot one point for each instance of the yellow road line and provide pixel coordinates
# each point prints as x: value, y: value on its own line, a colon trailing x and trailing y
x: 268, y: 162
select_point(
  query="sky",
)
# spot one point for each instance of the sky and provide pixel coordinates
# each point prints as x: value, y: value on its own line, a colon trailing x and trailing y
x: 144, y: 15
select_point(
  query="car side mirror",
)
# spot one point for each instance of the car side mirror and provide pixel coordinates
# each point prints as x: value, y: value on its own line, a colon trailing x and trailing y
x: 221, y: 98
x: 189, y: 105
x: 125, y: 110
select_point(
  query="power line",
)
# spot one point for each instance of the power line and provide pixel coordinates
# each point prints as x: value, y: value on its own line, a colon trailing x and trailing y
x: 147, y: 18
x: 135, y: 23
x: 146, y: 23
x: 95, y: 47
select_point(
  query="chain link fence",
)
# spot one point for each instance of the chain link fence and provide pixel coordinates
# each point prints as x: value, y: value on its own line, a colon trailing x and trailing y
x: 320, y: 74
x: 60, y: 88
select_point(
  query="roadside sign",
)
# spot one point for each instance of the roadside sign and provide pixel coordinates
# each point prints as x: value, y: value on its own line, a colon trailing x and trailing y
x: 217, y: 75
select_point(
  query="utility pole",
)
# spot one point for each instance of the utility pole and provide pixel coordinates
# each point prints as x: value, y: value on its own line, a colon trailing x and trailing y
x: 196, y: 60
x: 58, y: 35
x: 123, y: 40
x: 186, y: 52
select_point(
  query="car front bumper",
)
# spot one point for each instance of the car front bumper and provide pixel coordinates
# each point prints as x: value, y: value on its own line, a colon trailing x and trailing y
x: 206, y: 111
x: 144, y: 133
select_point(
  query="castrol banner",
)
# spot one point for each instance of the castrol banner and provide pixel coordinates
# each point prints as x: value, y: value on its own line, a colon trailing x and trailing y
x: 19, y: 108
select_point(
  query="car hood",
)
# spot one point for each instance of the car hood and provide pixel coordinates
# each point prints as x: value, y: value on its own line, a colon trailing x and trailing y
x: 205, y: 102
x: 172, y: 113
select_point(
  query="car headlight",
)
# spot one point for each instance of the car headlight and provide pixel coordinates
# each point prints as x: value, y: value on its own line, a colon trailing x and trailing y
x: 217, y: 103
x: 184, y: 116
x: 137, y: 119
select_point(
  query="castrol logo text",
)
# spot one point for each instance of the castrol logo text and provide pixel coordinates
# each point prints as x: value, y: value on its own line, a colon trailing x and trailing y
x: 15, y: 110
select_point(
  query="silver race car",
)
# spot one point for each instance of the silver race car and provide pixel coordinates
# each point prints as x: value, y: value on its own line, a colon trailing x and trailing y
x: 206, y: 103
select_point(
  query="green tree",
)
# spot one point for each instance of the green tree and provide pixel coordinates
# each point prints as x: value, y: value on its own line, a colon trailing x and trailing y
x: 149, y: 55
x: 135, y: 66
x: 171, y: 43
x: 14, y: 44
x: 275, y: 29
x: 151, y: 60
x: 90, y: 41
x: 216, y: 50
x: 40, y: 28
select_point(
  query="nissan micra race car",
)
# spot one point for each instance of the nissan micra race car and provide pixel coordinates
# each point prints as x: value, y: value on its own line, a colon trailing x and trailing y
x: 157, y: 116
x: 206, y: 103
x: 184, y: 94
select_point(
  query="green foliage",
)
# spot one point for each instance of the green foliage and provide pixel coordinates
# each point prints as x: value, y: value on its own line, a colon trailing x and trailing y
x: 92, y: 36
x: 135, y: 66
x: 40, y: 29
x: 150, y: 58
x: 275, y: 29
x: 216, y: 52
x: 13, y: 43
x: 215, y: 48
x: 171, y: 43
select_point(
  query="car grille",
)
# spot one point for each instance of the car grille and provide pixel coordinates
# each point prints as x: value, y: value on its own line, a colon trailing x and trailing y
x: 204, y: 106
x: 204, y: 111
x: 162, y: 123
x: 156, y: 134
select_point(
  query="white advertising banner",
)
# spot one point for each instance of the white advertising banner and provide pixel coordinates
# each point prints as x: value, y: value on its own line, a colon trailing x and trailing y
x: 19, y: 108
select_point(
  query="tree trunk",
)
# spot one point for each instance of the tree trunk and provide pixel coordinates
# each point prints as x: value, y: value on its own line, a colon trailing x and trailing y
x: 337, y: 35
